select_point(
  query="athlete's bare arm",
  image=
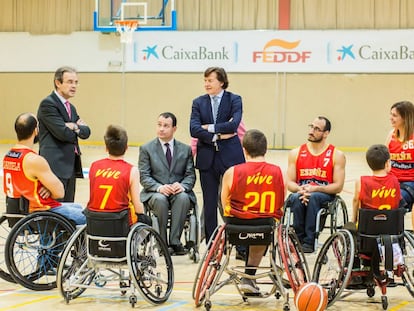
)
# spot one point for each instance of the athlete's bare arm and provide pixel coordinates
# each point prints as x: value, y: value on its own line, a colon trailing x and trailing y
x: 291, y: 180
x: 226, y: 183
x: 36, y: 167
x: 134, y: 190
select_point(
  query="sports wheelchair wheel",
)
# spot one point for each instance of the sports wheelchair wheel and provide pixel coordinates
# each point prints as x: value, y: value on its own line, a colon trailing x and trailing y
x: 333, y: 265
x: 209, y: 265
x: 408, y: 255
x: 73, y: 266
x: 339, y: 214
x: 150, y: 264
x: 33, y: 249
x: 4, y: 233
x: 293, y: 258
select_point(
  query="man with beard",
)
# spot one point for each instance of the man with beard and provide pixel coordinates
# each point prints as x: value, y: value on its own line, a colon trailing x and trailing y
x: 27, y: 174
x: 316, y: 173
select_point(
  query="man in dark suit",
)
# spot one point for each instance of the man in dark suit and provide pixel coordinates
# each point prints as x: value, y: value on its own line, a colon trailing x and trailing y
x: 167, y: 176
x: 214, y: 120
x: 59, y: 129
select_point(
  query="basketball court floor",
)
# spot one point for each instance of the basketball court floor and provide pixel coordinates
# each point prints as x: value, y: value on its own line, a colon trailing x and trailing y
x: 13, y: 297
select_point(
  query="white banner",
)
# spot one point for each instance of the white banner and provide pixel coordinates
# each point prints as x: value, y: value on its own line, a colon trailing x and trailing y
x: 274, y: 51
x: 368, y: 51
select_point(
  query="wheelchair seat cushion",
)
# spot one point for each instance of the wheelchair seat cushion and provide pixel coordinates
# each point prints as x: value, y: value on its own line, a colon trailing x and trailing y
x: 249, y: 235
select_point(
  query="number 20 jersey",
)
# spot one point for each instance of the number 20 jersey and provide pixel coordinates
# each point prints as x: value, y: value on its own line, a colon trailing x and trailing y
x: 257, y: 191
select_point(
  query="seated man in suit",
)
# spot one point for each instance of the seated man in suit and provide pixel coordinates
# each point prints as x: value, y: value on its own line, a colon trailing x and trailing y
x: 114, y: 183
x: 167, y: 175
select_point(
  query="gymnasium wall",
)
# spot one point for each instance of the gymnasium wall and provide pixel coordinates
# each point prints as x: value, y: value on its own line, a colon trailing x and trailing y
x: 279, y: 104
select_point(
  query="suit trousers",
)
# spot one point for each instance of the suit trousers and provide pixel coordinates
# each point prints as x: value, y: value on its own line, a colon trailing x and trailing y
x: 211, y: 187
x: 70, y: 187
x: 179, y: 204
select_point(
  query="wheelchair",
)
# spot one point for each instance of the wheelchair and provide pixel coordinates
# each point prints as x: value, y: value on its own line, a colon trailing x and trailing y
x: 336, y: 210
x: 106, y: 254
x: 379, y: 251
x: 32, y: 245
x: 191, y: 230
x: 287, y: 266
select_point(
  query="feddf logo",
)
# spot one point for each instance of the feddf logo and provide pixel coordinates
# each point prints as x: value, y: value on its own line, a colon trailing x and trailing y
x: 281, y: 51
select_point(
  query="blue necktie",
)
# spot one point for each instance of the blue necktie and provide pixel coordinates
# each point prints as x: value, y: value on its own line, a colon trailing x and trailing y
x: 216, y: 104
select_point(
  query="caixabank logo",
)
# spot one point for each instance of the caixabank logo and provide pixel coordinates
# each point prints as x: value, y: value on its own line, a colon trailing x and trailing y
x: 281, y: 51
x: 369, y: 52
x: 170, y: 52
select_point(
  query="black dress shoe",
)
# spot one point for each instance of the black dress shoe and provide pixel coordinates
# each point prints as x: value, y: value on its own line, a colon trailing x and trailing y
x: 179, y: 250
x: 307, y: 248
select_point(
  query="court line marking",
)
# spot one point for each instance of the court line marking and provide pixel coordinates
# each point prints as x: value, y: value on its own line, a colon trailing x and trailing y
x: 28, y: 303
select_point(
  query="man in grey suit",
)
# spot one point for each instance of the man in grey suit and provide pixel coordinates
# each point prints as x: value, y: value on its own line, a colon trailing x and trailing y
x: 167, y: 176
x: 59, y: 129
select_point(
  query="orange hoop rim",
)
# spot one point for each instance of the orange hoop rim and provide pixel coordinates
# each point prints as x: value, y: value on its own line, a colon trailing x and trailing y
x: 129, y: 23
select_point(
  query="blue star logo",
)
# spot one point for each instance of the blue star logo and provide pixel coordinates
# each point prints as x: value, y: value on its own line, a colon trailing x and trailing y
x: 150, y: 51
x: 346, y: 51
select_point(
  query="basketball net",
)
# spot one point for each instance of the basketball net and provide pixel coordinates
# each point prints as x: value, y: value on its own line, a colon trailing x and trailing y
x: 126, y: 29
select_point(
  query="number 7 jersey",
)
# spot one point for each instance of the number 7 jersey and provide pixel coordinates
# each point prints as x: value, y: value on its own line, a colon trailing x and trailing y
x: 109, y: 183
x: 315, y: 169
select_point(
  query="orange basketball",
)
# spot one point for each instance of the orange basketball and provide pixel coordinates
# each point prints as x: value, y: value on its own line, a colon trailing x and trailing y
x: 311, y: 297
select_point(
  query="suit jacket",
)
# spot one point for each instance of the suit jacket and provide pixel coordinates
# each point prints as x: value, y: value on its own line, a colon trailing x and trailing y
x: 154, y: 171
x: 56, y: 141
x: 229, y: 115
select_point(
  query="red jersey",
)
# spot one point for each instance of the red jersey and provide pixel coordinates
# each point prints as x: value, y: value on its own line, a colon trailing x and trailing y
x: 17, y: 184
x: 380, y: 192
x: 315, y: 169
x: 257, y: 191
x: 109, y: 182
x: 402, y: 158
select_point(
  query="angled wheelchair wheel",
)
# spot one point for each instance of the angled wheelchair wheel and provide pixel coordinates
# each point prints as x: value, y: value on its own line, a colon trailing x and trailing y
x: 33, y: 249
x: 408, y: 255
x: 209, y: 265
x: 4, y: 233
x: 150, y: 264
x: 339, y: 214
x: 293, y: 258
x: 73, y: 271
x: 333, y: 265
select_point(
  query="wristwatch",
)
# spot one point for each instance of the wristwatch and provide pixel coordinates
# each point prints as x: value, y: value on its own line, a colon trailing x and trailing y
x: 218, y: 136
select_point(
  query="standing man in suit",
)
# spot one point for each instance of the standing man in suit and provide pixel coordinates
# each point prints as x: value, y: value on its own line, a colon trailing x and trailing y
x: 59, y: 129
x: 214, y: 120
x: 167, y: 176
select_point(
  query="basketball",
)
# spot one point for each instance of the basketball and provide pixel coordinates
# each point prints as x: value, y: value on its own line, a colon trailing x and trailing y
x: 311, y: 297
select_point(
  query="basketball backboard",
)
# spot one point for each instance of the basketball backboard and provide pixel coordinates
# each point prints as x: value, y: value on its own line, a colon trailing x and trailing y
x: 150, y: 14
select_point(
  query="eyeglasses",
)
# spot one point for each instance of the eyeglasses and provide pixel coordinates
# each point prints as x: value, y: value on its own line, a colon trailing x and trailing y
x: 315, y: 128
x: 71, y: 82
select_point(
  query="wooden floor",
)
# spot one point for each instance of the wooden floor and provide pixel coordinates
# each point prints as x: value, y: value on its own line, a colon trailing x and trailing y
x: 17, y: 298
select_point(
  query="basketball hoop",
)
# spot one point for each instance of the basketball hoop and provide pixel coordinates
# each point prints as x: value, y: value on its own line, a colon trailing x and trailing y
x: 126, y: 29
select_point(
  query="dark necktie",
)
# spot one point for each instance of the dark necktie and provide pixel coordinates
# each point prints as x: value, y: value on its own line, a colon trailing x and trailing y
x: 168, y: 154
